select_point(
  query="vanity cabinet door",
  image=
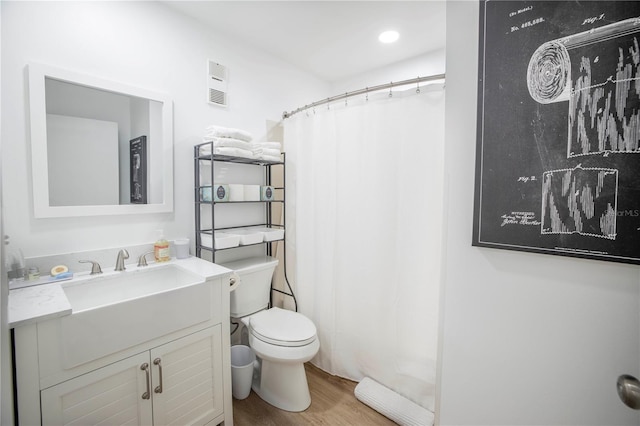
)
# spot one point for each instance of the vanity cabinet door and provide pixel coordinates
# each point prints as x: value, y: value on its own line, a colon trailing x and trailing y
x: 187, y: 379
x: 113, y: 394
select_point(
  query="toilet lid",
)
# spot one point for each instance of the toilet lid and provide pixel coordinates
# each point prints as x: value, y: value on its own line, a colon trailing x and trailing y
x: 282, y: 327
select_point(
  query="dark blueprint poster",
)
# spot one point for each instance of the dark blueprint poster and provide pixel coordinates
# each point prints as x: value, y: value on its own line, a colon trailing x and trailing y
x: 558, y: 149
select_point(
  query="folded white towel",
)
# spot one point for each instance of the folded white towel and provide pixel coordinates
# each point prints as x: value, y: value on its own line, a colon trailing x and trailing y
x: 226, y: 150
x: 268, y: 145
x: 268, y: 158
x: 227, y: 132
x: 266, y: 151
x: 392, y: 405
x: 231, y: 142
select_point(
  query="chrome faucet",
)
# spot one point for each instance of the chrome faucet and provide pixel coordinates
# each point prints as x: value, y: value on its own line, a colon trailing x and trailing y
x: 122, y: 255
x: 95, y: 266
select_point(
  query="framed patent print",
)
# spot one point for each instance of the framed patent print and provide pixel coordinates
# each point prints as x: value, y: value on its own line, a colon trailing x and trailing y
x: 558, y: 146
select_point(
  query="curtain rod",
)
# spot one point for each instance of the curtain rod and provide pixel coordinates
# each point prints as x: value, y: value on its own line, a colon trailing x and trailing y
x: 363, y: 91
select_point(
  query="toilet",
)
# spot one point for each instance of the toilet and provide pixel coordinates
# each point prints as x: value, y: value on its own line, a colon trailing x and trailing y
x: 282, y: 340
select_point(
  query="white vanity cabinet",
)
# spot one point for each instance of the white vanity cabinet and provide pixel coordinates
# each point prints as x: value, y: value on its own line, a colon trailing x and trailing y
x: 186, y: 379
x: 162, y: 360
x: 177, y: 383
x: 111, y: 394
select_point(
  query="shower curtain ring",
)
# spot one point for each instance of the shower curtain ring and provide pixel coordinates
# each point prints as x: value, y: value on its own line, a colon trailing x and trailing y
x: 391, y: 89
x: 367, y: 94
x: 418, y: 83
x: 328, y: 106
x: 346, y: 98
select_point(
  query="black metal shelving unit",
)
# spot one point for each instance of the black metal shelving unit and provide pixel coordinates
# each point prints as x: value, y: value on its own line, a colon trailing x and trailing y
x: 267, y: 165
x: 212, y: 159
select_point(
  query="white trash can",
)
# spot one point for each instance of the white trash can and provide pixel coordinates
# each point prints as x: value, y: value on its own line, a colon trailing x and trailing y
x: 242, y: 359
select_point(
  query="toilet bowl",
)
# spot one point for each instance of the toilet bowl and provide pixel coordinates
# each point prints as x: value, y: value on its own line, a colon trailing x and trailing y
x: 282, y: 340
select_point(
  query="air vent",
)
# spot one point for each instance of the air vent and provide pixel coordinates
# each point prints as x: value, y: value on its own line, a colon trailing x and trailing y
x: 217, y: 84
x: 217, y: 97
x: 217, y: 71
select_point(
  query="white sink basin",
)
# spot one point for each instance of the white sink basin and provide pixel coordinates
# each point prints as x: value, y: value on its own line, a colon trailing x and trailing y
x: 126, y: 285
x: 122, y: 309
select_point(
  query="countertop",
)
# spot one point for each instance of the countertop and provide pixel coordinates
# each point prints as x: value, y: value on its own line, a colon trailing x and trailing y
x: 47, y: 301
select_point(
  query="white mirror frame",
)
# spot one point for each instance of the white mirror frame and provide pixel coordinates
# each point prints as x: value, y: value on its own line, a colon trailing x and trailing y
x: 39, y: 169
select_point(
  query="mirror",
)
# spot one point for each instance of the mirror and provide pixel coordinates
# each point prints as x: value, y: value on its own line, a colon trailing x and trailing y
x: 98, y: 147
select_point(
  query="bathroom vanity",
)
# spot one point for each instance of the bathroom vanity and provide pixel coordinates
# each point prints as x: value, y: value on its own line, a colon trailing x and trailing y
x: 149, y: 345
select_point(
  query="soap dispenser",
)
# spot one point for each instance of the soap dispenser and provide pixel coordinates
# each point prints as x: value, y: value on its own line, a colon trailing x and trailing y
x: 161, y: 248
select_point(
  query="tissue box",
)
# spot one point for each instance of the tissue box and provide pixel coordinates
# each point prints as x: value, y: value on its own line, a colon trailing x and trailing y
x: 205, y: 194
x: 236, y: 192
x: 267, y: 193
x: 220, y: 193
x: 252, y: 192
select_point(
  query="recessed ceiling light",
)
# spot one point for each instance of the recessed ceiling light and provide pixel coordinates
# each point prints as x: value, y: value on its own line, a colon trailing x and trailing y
x: 388, y: 36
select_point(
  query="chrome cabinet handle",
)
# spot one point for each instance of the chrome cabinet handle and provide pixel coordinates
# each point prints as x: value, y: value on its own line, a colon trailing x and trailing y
x: 158, y: 388
x: 145, y: 367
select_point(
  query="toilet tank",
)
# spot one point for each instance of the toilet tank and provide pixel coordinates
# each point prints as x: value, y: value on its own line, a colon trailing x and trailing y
x: 252, y: 294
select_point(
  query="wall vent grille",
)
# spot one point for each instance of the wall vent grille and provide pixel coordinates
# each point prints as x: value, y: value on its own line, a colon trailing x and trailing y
x: 217, y: 84
x: 217, y: 97
x: 217, y: 71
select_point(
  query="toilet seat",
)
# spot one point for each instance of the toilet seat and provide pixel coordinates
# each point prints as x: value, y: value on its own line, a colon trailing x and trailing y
x: 282, y: 327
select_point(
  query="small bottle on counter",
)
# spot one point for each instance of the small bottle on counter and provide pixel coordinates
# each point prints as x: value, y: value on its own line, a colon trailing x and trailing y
x: 161, y: 248
x: 33, y: 273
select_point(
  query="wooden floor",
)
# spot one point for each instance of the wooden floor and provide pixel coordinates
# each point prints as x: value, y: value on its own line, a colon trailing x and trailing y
x: 332, y: 403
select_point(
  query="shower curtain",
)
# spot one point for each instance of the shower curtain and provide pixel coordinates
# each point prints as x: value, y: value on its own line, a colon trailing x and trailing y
x: 364, y: 215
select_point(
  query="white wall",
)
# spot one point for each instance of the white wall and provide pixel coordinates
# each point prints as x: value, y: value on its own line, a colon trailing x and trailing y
x: 143, y: 44
x: 528, y: 338
x: 6, y: 389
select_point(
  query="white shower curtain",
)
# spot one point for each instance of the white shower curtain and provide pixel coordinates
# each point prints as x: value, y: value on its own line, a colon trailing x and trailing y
x: 364, y: 216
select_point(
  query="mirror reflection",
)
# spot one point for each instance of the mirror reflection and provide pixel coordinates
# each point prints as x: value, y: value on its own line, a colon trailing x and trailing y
x: 98, y: 147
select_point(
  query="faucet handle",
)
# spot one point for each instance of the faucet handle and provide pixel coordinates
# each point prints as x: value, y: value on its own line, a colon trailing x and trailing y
x: 95, y: 266
x: 142, y: 260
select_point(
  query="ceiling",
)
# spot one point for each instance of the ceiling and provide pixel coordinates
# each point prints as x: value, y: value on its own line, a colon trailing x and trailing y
x: 330, y: 39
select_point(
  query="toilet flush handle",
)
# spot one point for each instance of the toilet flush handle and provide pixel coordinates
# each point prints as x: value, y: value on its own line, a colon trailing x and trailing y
x: 234, y: 281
